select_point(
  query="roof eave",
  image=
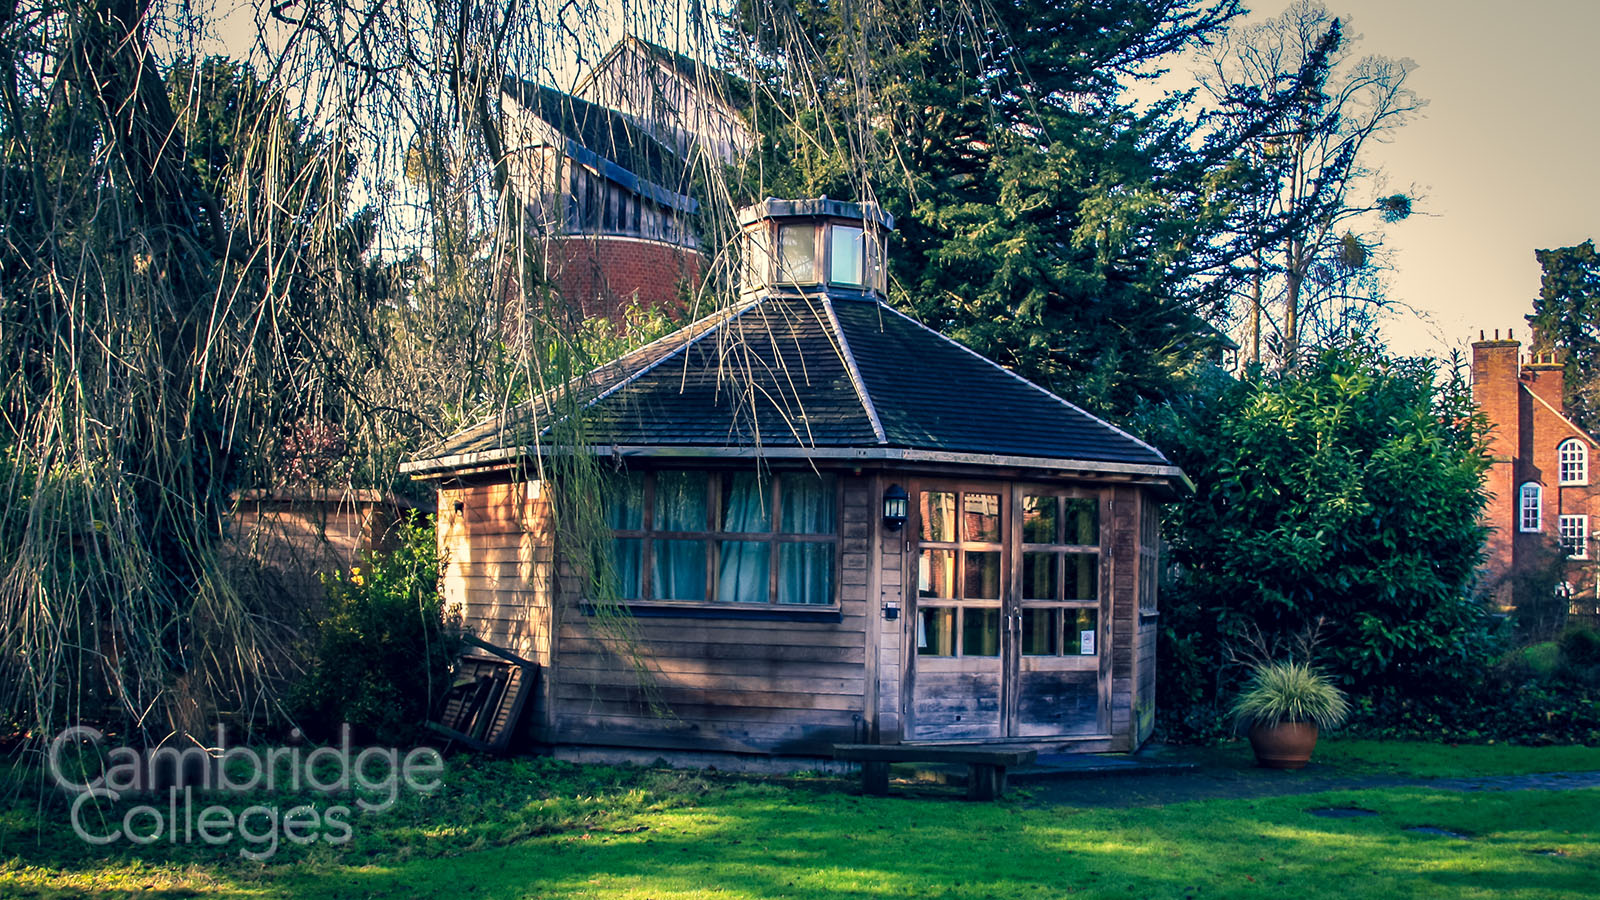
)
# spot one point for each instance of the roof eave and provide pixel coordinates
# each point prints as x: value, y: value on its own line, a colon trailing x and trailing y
x: 507, y: 456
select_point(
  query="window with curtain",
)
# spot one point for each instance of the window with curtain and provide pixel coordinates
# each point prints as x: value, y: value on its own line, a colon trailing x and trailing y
x: 724, y: 537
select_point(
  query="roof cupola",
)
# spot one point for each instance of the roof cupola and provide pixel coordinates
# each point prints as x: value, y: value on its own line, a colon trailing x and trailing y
x: 814, y: 245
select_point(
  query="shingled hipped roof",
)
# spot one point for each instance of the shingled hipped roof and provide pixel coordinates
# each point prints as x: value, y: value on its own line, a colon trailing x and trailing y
x: 808, y: 376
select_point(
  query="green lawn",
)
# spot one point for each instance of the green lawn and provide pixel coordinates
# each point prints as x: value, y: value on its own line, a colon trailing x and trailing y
x: 533, y: 828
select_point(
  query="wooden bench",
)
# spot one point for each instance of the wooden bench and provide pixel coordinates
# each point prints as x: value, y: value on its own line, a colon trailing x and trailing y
x: 986, y: 766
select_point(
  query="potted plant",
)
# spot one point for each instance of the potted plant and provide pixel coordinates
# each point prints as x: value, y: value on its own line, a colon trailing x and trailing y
x: 1284, y: 706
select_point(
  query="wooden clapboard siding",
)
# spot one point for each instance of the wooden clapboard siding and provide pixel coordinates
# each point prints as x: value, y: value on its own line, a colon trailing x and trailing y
x: 748, y: 685
x: 495, y: 543
x: 1124, y: 558
x: 1144, y: 654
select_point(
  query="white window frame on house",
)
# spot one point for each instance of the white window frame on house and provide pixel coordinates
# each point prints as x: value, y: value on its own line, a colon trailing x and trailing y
x: 1573, y: 461
x: 1530, y: 512
x: 1574, y: 531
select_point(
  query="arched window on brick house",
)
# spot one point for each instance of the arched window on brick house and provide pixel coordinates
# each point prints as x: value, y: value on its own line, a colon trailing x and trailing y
x: 1573, y: 456
x: 1530, y: 516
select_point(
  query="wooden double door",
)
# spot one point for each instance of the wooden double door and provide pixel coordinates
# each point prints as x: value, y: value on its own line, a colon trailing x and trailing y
x: 1010, y: 620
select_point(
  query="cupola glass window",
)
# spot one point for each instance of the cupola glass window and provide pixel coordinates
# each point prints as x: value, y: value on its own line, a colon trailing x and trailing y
x: 847, y: 256
x: 797, y: 248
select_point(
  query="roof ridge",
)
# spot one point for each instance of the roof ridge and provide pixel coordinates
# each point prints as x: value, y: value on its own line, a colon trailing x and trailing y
x: 856, y: 381
x: 1048, y: 393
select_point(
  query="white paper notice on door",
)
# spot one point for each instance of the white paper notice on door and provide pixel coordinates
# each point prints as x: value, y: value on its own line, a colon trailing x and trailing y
x: 1086, y: 643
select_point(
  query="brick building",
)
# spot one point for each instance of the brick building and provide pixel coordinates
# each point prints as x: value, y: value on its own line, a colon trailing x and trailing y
x: 606, y: 174
x: 1544, y: 492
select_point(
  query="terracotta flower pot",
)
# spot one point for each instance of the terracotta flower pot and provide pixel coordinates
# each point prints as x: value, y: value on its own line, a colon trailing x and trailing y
x: 1286, y: 745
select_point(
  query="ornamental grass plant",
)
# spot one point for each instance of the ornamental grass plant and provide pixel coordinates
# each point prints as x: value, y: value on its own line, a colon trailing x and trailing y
x: 1290, y: 691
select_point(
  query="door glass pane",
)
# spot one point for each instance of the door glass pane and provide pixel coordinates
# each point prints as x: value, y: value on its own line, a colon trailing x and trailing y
x: 1039, y: 576
x: 680, y: 501
x: 981, y: 517
x: 743, y: 575
x: 982, y: 580
x: 1039, y: 631
x: 938, y: 514
x: 1081, y: 632
x: 625, y: 502
x: 845, y: 256
x: 980, y: 632
x: 678, y: 570
x: 936, y: 573
x: 1083, y: 576
x: 745, y: 506
x: 807, y: 503
x: 805, y: 573
x: 797, y: 253
x: 1083, y: 521
x: 1038, y: 520
x: 936, y: 631
x: 625, y: 563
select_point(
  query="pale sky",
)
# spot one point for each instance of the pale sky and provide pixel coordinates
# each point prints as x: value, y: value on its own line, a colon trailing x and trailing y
x: 1504, y: 154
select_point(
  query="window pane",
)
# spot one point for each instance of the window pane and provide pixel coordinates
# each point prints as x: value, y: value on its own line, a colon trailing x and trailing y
x: 1081, y: 632
x: 982, y: 580
x: 982, y: 517
x: 1083, y: 576
x: 745, y: 506
x: 805, y: 573
x: 1039, y: 632
x: 808, y: 502
x: 757, y: 258
x: 744, y: 575
x: 938, y: 516
x: 1531, y: 515
x: 1039, y: 520
x: 936, y: 631
x: 980, y: 632
x: 626, y: 554
x: 845, y: 256
x: 680, y: 501
x: 936, y: 573
x: 798, y: 250
x: 678, y: 571
x: 625, y: 502
x: 1039, y: 576
x: 1083, y: 521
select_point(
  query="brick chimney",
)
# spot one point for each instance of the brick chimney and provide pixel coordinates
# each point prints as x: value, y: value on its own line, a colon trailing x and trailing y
x: 1495, y: 365
x: 1545, y: 376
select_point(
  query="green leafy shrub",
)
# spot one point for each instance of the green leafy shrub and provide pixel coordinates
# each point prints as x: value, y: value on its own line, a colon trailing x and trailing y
x: 384, y: 649
x: 1290, y: 692
x: 1347, y: 490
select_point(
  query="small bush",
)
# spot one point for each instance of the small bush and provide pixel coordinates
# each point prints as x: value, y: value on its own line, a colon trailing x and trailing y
x: 384, y: 649
x: 1290, y: 692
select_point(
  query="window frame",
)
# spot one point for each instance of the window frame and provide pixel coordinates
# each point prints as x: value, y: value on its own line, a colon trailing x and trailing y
x: 713, y: 537
x: 1580, y: 526
x: 959, y: 547
x: 1576, y: 463
x: 1063, y: 551
x: 1534, y: 524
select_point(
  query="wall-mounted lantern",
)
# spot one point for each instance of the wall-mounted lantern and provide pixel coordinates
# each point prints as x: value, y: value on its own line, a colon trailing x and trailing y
x: 895, y: 503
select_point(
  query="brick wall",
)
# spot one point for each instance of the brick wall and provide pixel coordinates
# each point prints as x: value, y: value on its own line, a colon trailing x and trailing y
x: 1495, y: 390
x: 1524, y: 443
x: 602, y: 274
